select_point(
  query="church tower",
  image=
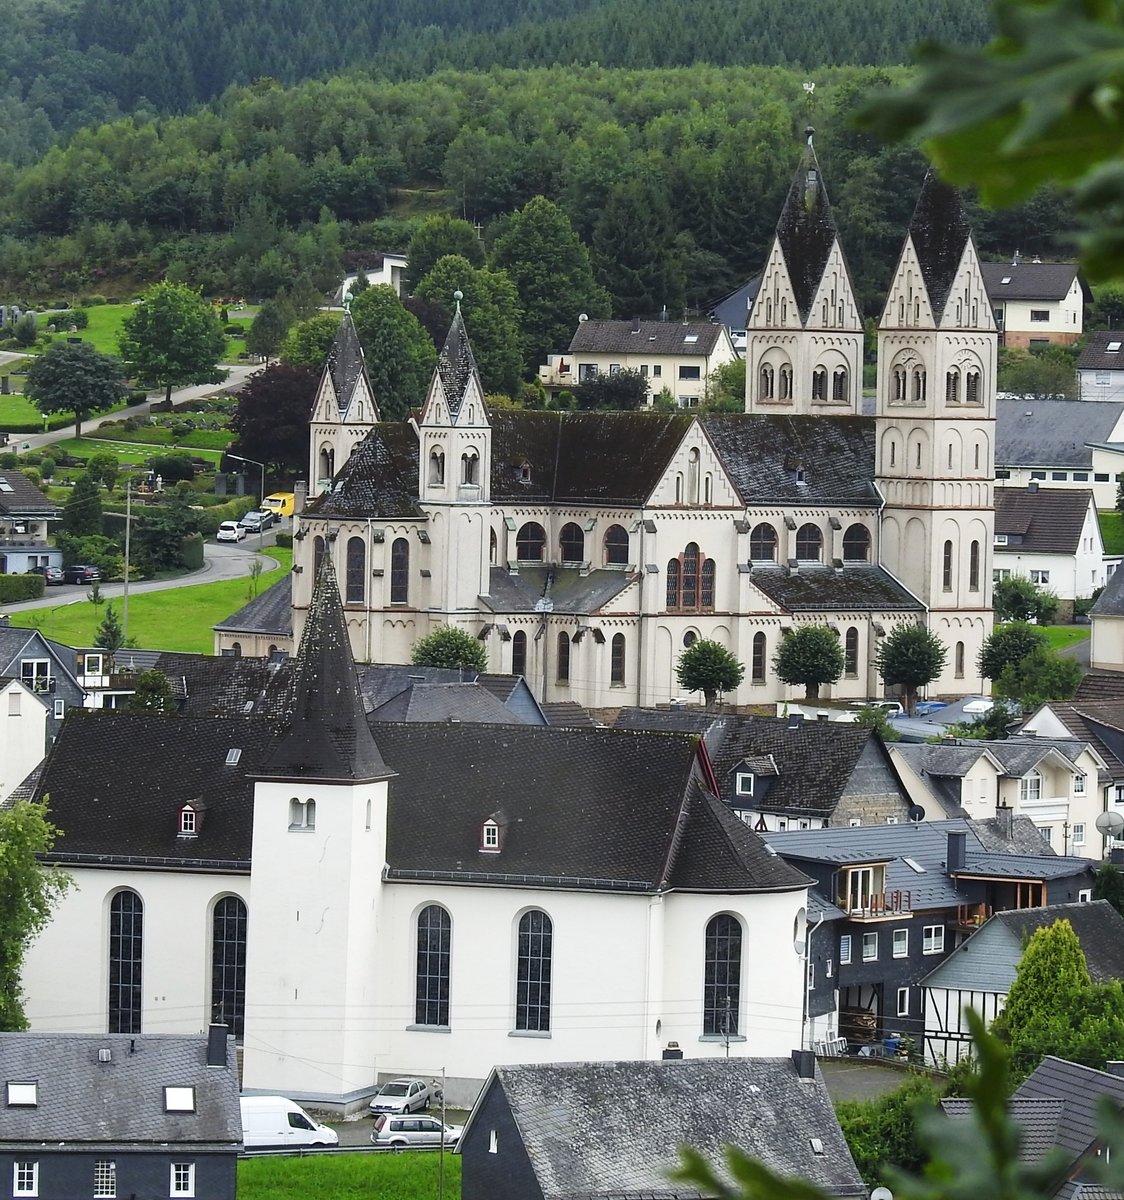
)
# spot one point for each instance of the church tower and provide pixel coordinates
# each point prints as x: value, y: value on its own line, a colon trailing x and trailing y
x: 319, y: 848
x: 804, y: 342
x: 937, y: 351
x: 344, y: 409
x: 455, y: 464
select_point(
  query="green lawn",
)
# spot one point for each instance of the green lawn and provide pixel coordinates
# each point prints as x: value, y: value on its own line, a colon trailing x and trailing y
x: 105, y: 327
x: 410, y: 1176
x: 176, y: 619
x: 127, y: 452
x: 1060, y: 636
x: 1112, y: 532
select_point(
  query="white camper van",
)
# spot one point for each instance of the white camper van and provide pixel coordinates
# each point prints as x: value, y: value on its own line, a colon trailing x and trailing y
x: 275, y: 1121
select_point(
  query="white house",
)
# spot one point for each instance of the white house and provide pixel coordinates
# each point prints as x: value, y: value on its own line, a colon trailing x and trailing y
x: 1100, y: 371
x: 1106, y: 652
x: 386, y: 268
x: 1035, y: 303
x: 23, y: 733
x: 452, y: 897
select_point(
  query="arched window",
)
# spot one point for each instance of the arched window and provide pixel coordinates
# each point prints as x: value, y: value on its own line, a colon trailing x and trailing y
x: 757, y: 662
x: 959, y: 660
x: 572, y: 543
x: 851, y: 652
x: 856, y: 544
x: 706, y: 596
x: 616, y: 660
x: 809, y: 543
x: 946, y: 567
x: 431, y: 982
x: 972, y: 387
x: 616, y: 545
x: 236, y: 649
x: 679, y: 488
x: 400, y: 571
x: 356, y: 570
x: 519, y: 653
x: 786, y: 382
x: 563, y: 658
x: 470, y: 467
x: 723, y: 976
x: 918, y: 386
x: 900, y: 378
x: 126, y: 946
x: 327, y: 465
x: 708, y: 488
x: 530, y: 542
x: 763, y: 544
x: 839, y: 384
x: 767, y: 378
x: 493, y: 547
x: 532, y: 972
x: 819, y: 384
x: 437, y: 466
x: 302, y: 813
x: 318, y: 545
x: 952, y: 387
x: 689, y: 597
x: 673, y: 577
x: 693, y: 477
x: 974, y: 567
x: 228, y: 964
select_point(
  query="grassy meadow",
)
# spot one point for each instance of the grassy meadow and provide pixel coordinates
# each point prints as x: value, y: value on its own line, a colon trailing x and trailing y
x: 411, y: 1176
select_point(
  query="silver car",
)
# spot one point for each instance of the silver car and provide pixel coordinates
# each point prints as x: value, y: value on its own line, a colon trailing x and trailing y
x: 402, y: 1096
x: 413, y: 1130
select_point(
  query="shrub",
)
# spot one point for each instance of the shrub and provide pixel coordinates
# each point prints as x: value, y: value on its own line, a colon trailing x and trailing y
x: 233, y: 330
x: 285, y: 539
x: 172, y: 467
x: 211, y: 518
x: 79, y: 318
x: 92, y: 301
x: 32, y: 476
x: 14, y: 588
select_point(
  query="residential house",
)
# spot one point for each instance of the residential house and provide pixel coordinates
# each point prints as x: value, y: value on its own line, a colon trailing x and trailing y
x: 1052, y: 537
x: 614, y: 1130
x: 900, y: 897
x: 671, y: 355
x: 1063, y: 443
x: 1035, y: 303
x: 46, y: 668
x: 386, y: 269
x: 732, y: 310
x: 114, y: 1115
x: 23, y: 732
x: 1106, y: 646
x: 26, y: 517
x: 1100, y: 372
x: 978, y: 974
x: 447, y: 895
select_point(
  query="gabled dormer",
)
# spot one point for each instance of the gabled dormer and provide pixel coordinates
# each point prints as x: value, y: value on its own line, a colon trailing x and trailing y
x: 189, y: 819
x: 492, y: 831
x: 749, y: 781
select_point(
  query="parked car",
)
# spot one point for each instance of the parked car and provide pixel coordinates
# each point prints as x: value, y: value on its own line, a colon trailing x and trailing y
x: 231, y: 531
x: 396, y: 1131
x: 80, y: 573
x: 402, y: 1096
x: 51, y: 575
x: 277, y: 1121
x: 258, y: 520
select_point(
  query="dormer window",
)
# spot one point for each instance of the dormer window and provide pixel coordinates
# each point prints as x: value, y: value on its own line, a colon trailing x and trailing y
x: 524, y: 472
x: 744, y: 783
x: 189, y: 822
x: 490, y: 837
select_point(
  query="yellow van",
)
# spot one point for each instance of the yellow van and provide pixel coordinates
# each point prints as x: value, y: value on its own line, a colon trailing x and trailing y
x: 281, y: 504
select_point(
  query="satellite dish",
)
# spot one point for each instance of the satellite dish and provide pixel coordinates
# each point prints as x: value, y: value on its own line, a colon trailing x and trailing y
x: 1111, y: 824
x: 917, y: 813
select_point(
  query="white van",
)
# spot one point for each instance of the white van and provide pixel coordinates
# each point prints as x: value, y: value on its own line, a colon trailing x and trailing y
x: 275, y: 1121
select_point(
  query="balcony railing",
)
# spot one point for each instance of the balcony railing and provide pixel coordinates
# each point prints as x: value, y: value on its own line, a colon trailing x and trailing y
x: 41, y: 685
x: 878, y: 904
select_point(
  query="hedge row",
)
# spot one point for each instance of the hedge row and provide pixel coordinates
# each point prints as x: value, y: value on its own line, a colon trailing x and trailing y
x: 14, y: 588
x: 211, y: 518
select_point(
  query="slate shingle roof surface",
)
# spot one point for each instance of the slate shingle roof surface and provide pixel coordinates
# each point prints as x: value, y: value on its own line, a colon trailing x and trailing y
x: 1101, y: 724
x: 270, y: 613
x: 345, y: 362
x: 379, y: 480
x: 19, y: 497
x: 1037, y: 1122
x: 1096, y: 355
x: 681, y: 720
x: 1099, y: 928
x: 604, y: 1129
x: 1099, y: 687
x: 455, y: 364
x: 1110, y: 603
x: 122, y: 1101
x: 446, y: 702
x: 553, y: 589
x: 939, y: 230
x: 855, y: 588
x: 567, y: 714
x: 1049, y: 520
x: 613, y: 815
x: 732, y: 310
x: 1028, y: 281
x: 1052, y: 433
x: 646, y: 337
x: 1081, y: 1090
x: 224, y: 686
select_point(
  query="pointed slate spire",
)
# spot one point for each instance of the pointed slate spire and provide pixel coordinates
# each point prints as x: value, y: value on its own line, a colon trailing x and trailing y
x: 327, y: 736
x: 345, y: 362
x: 939, y: 231
x: 806, y: 229
x: 455, y: 364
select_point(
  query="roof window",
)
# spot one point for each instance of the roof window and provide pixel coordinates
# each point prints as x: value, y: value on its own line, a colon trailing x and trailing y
x: 1113, y: 348
x: 179, y: 1099
x: 817, y: 1146
x: 914, y: 865
x: 691, y: 338
x: 232, y: 757
x: 23, y: 1094
x: 1005, y: 279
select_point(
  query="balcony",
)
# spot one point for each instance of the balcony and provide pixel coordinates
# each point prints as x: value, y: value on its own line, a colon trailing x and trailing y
x: 878, y: 906
x: 971, y: 916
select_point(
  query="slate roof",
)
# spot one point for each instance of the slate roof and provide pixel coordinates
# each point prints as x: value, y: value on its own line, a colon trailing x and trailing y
x: 613, y: 1129
x: 1098, y: 687
x: 556, y: 589
x: 456, y: 365
x: 682, y: 719
x: 270, y: 612
x: 1101, y: 724
x: 806, y: 230
x: 19, y: 497
x: 567, y: 714
x: 1028, y: 280
x: 614, y: 814
x: 761, y: 455
x: 940, y: 232
x: 326, y: 736
x: 1096, y: 355
x: 1110, y: 603
x: 929, y: 758
x: 732, y: 310
x: 83, y: 1100
x: 865, y: 588
x: 345, y: 362
x: 1052, y: 433
x: 1037, y: 1122
x: 205, y: 685
x: 445, y: 702
x: 379, y: 480
x: 1048, y: 520
x: 646, y: 337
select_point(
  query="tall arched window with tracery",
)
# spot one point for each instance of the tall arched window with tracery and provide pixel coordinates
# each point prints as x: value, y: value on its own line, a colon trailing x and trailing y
x: 946, y: 567
x: 722, y: 979
x: 126, y: 949
x: 228, y: 964
x: 758, y: 659
x: 431, y: 978
x: 851, y: 652
x: 356, y: 590
x: 690, y: 580
x: 400, y: 571
x: 533, y: 971
x: 563, y: 658
x: 519, y: 653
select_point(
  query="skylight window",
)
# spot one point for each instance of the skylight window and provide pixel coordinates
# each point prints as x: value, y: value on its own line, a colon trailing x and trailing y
x: 232, y: 757
x: 1005, y: 279
x: 914, y: 865
x: 1113, y: 348
x: 179, y: 1099
x: 691, y: 338
x: 22, y: 1094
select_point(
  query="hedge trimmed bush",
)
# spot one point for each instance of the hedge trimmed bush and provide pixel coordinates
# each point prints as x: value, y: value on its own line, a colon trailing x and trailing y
x: 285, y: 539
x: 211, y: 518
x: 14, y: 588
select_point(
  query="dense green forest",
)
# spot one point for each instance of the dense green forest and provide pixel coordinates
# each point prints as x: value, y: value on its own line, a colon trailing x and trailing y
x: 69, y: 63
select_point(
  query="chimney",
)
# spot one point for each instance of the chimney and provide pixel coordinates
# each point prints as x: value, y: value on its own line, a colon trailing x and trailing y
x: 1032, y: 486
x: 1005, y: 821
x: 300, y: 495
x: 216, y: 1045
x: 795, y: 720
x: 635, y: 324
x: 1115, y: 1067
x: 957, y: 852
x: 805, y: 1063
x: 672, y: 1051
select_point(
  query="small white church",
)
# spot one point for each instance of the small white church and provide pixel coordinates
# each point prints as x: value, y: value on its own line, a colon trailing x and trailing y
x: 586, y: 550
x: 432, y: 899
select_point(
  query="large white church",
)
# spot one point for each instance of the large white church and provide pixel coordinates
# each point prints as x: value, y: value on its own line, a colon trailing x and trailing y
x: 587, y: 549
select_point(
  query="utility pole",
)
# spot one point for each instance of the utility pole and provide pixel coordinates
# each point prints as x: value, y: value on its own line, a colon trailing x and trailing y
x: 726, y: 1024
x: 441, y: 1150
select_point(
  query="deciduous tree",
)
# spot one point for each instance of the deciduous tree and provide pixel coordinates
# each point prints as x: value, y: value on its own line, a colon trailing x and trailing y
x: 173, y: 337
x: 1008, y: 644
x: 450, y: 647
x: 399, y: 354
x: 434, y: 239
x: 1041, y: 676
x: 74, y: 377
x: 708, y: 667
x: 81, y: 515
x: 270, y: 423
x: 307, y: 343
x: 911, y: 656
x: 152, y: 693
x: 625, y: 391
x: 811, y: 655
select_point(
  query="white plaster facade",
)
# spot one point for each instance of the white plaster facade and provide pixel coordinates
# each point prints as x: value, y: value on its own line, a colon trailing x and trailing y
x: 23, y: 733
x: 1073, y: 576
x: 1028, y: 322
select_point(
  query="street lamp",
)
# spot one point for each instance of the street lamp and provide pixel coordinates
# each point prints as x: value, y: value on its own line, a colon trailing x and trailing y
x: 128, y: 538
x: 254, y: 463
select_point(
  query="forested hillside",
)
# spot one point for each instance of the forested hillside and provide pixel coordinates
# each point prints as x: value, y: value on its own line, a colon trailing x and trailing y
x: 69, y: 63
